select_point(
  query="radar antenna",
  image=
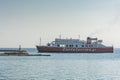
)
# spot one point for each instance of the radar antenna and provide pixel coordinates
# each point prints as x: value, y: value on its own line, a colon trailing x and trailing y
x: 60, y: 36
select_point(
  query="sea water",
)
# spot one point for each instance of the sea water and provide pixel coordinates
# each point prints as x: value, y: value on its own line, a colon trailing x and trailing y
x: 61, y: 66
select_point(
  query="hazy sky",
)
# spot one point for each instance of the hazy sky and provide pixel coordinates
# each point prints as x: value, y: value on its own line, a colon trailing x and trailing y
x: 25, y: 21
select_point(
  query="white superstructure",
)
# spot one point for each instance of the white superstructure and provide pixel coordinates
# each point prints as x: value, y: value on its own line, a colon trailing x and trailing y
x: 77, y: 43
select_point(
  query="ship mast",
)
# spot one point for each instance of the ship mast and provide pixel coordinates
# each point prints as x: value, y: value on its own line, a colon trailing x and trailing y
x: 40, y: 41
x: 78, y: 36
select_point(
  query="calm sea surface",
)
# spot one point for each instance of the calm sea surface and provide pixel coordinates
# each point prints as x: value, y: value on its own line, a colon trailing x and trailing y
x: 61, y: 66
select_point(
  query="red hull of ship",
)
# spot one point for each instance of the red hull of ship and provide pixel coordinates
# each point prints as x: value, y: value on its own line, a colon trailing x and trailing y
x: 74, y: 50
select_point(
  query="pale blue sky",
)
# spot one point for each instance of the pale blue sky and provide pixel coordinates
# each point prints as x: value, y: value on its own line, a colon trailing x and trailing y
x: 25, y: 21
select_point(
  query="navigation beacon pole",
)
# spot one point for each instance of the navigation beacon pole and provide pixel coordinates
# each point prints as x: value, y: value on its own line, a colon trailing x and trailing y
x: 19, y: 47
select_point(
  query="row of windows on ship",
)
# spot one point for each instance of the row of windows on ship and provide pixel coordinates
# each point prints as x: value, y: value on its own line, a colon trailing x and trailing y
x: 71, y: 46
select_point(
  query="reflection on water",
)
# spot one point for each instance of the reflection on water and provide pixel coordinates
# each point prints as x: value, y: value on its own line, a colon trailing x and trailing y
x: 61, y: 67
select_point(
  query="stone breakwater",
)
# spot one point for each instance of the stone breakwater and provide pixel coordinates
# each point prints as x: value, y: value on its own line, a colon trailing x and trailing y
x: 19, y: 53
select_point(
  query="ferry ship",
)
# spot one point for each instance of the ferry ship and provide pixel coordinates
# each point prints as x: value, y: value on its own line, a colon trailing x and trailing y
x: 91, y: 45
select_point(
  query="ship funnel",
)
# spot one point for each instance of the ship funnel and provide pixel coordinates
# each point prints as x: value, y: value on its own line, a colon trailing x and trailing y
x: 88, y: 40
